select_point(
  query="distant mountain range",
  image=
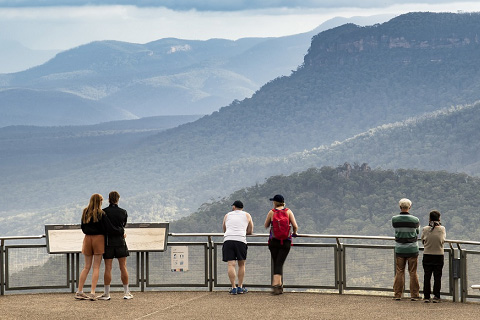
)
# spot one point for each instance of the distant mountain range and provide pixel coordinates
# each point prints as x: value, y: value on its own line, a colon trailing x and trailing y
x: 442, y: 140
x: 363, y: 94
x: 32, y: 148
x: 163, y: 77
x: 49, y: 108
x: 15, y: 57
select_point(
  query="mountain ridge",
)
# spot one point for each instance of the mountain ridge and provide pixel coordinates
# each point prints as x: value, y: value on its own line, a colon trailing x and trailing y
x: 353, y: 200
x: 54, y: 108
x: 169, y: 76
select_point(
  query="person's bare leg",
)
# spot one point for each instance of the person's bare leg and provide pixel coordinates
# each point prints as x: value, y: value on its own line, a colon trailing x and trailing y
x: 84, y: 273
x: 97, y: 261
x: 231, y: 272
x: 107, y: 276
x: 241, y: 272
x: 277, y: 280
x: 122, y: 263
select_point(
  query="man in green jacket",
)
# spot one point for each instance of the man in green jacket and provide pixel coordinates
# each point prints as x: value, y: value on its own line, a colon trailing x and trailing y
x: 407, y: 228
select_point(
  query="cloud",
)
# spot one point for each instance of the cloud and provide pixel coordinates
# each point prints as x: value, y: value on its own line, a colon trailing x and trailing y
x: 66, y: 27
x: 224, y: 5
x: 50, y: 27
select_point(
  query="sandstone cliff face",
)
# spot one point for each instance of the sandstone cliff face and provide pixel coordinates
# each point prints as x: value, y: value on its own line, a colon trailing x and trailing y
x: 414, y: 31
x: 388, y: 42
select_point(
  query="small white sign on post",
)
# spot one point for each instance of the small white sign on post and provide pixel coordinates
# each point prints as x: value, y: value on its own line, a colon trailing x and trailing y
x: 179, y: 259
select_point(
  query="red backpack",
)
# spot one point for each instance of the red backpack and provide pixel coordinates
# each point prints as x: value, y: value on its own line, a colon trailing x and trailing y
x: 281, y: 224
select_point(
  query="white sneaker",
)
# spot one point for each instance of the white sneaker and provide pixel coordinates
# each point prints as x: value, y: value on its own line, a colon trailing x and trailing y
x: 104, y: 297
x: 128, y: 296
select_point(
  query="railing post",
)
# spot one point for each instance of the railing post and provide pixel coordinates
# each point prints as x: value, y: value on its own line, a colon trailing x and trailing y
x: 142, y: 270
x: 210, y: 264
x: 71, y: 258
x: 454, y: 273
x: 340, y: 266
x: 2, y: 268
x: 77, y: 271
x: 463, y: 274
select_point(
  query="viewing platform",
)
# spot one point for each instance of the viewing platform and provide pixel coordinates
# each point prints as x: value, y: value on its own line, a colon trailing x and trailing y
x: 325, y: 277
x: 221, y: 305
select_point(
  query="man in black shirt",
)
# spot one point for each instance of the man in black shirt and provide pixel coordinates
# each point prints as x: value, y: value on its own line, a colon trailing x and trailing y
x: 115, y: 246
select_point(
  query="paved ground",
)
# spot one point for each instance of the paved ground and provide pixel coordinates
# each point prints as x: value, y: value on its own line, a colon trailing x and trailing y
x: 221, y: 305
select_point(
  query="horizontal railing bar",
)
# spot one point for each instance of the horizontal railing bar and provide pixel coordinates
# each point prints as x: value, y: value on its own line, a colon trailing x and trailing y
x: 324, y: 236
x: 195, y: 234
x: 23, y: 237
x: 463, y: 242
x: 330, y: 236
x: 38, y: 287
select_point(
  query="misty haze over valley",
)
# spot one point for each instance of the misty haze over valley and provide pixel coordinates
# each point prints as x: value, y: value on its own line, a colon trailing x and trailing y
x: 179, y: 127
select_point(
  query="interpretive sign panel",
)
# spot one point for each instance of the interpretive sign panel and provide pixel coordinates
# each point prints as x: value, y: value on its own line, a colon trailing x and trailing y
x: 139, y: 237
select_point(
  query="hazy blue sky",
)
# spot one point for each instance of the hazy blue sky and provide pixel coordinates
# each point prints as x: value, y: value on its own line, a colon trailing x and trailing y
x: 63, y: 24
x: 223, y: 5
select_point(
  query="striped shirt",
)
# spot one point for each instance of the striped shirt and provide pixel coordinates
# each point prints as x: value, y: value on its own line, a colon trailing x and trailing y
x: 407, y: 228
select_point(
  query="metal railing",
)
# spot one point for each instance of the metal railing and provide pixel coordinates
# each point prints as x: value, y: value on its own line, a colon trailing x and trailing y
x: 315, y: 263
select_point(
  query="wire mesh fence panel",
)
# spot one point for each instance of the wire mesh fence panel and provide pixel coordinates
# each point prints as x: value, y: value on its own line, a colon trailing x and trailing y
x: 257, y: 267
x: 310, y: 265
x: 116, y: 280
x: 193, y: 273
x: 473, y: 276
x: 32, y: 267
x: 374, y: 268
x: 369, y: 267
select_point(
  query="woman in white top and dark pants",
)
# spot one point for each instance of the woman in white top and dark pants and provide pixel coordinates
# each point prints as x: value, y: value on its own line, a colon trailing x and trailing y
x: 433, y: 238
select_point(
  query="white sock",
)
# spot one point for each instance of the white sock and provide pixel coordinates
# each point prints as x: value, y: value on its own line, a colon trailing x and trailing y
x: 107, y: 289
x: 125, y: 288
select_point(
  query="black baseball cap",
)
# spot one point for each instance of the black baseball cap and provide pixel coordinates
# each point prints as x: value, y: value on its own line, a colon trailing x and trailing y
x: 238, y: 204
x: 277, y: 198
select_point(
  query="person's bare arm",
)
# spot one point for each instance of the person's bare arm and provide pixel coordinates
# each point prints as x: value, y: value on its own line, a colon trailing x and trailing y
x: 268, y: 220
x: 224, y: 225
x: 250, y: 224
x: 291, y: 216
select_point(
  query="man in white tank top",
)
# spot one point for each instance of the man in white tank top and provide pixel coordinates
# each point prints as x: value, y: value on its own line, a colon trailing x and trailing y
x: 236, y: 225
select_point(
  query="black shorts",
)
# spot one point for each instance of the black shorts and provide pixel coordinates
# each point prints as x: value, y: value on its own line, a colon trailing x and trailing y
x: 234, y: 250
x: 116, y: 252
